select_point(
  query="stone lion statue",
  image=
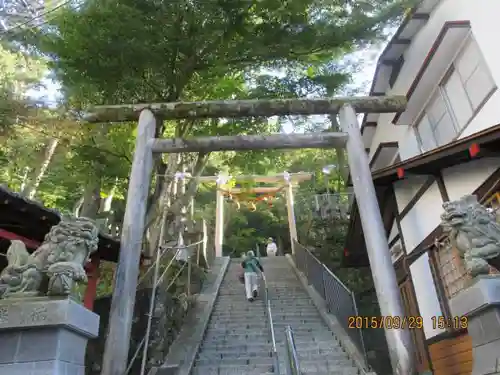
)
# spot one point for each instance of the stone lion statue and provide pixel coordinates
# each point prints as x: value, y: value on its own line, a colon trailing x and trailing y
x: 474, y: 232
x: 55, y: 266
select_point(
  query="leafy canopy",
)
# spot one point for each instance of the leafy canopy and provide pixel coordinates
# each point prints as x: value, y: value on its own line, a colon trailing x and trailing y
x: 144, y: 50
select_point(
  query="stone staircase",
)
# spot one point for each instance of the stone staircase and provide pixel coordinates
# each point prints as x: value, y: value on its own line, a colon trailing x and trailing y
x: 237, y: 340
x: 318, y: 350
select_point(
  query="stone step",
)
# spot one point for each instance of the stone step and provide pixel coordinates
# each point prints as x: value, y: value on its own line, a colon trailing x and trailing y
x: 295, y: 318
x: 305, y: 348
x: 242, y: 361
x: 244, y: 346
x: 326, y: 340
x: 266, y: 351
x: 217, y: 334
x: 322, y: 364
x: 276, y: 310
x: 327, y: 367
x: 233, y: 370
x: 230, y: 325
x: 229, y: 352
x: 243, y: 304
x: 229, y: 338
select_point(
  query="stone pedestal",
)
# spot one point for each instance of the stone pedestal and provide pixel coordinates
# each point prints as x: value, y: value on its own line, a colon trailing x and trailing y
x: 481, y: 303
x: 44, y: 336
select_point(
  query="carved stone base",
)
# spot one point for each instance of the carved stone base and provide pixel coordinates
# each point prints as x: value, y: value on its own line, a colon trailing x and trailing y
x: 481, y: 303
x: 44, y: 336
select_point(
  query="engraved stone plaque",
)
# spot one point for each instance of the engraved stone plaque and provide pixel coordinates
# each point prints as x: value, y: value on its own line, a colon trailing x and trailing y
x: 43, y: 311
x: 44, y: 336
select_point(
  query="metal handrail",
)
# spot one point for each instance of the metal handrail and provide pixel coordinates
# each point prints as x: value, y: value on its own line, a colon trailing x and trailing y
x: 331, y: 289
x: 327, y: 270
x: 292, y: 363
x: 267, y: 302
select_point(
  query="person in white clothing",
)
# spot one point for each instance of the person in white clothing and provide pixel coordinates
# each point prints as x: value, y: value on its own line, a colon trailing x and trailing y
x: 271, y: 249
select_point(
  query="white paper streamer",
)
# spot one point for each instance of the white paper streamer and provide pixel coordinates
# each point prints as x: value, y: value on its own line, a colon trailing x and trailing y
x: 287, y: 176
x: 181, y: 175
x: 222, y: 180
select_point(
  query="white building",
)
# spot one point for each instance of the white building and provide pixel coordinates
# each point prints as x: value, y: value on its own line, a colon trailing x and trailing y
x: 445, y: 58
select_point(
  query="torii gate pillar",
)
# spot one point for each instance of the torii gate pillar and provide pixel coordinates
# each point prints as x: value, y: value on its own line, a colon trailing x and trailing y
x: 125, y: 283
x: 291, y: 215
x: 219, y: 221
x: 384, y: 276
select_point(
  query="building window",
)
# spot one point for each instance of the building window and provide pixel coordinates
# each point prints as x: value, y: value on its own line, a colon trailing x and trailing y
x: 465, y: 88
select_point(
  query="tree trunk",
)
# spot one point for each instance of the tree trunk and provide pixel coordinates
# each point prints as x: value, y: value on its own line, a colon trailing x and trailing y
x: 105, y: 214
x: 91, y: 199
x: 168, y: 199
x: 24, y: 181
x: 340, y: 152
x: 78, y: 206
x: 30, y: 190
x: 161, y: 196
x: 105, y: 204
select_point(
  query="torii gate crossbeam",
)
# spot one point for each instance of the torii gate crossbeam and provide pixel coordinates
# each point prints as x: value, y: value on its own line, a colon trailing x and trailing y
x: 120, y: 322
x: 288, y: 182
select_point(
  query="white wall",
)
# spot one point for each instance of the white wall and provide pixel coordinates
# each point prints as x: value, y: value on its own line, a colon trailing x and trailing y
x: 406, y: 189
x: 425, y: 291
x: 483, y: 16
x: 408, y: 144
x: 463, y: 179
x: 386, y: 131
x: 422, y: 219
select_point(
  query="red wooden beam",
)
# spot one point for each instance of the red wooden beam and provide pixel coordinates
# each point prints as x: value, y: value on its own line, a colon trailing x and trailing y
x: 92, y: 269
x: 32, y: 244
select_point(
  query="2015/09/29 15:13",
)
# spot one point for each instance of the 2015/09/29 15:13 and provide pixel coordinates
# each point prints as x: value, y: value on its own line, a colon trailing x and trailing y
x: 455, y: 322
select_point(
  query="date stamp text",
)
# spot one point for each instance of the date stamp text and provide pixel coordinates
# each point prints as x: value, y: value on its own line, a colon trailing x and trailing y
x: 385, y: 322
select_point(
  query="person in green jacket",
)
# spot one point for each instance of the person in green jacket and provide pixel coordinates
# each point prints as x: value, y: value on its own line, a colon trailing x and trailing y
x: 251, y: 266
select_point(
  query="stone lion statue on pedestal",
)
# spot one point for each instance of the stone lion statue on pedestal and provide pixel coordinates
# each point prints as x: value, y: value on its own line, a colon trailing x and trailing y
x: 474, y: 232
x: 55, y: 266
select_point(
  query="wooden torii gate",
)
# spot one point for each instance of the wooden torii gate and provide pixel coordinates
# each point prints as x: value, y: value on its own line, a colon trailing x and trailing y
x: 120, y: 321
x: 287, y: 180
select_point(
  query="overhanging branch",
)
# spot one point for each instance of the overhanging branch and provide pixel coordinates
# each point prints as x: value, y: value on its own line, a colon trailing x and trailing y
x: 248, y: 108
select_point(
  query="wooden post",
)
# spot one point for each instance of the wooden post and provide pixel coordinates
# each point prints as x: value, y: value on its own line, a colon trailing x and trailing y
x: 180, y: 219
x: 93, y: 280
x: 219, y: 221
x: 399, y: 341
x: 291, y: 215
x: 188, y: 292
x: 205, y: 243
x: 122, y: 304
